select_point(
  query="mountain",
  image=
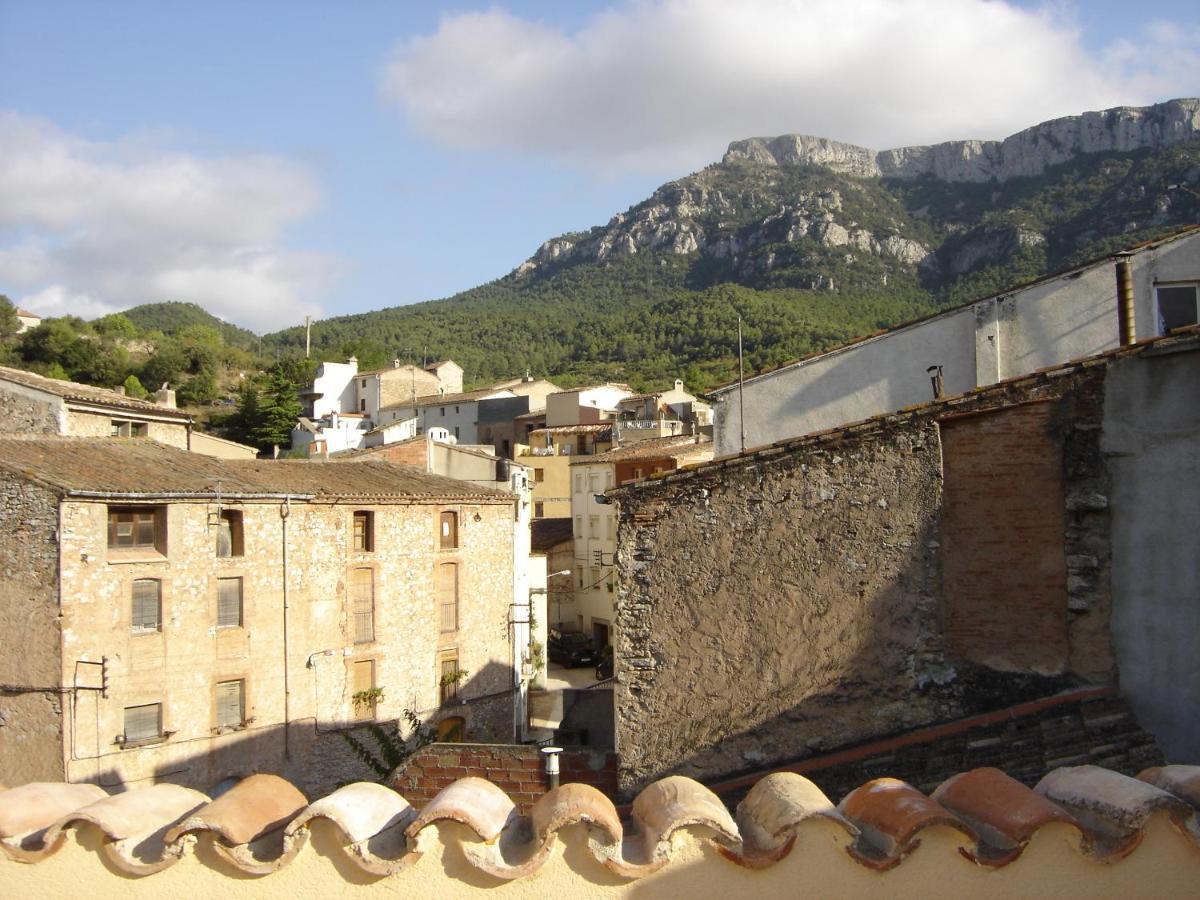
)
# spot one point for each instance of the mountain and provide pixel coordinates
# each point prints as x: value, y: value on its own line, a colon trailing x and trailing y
x: 172, y: 317
x: 811, y: 242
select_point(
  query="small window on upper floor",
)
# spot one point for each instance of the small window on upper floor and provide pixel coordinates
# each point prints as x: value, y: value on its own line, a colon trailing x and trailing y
x: 229, y: 533
x: 231, y: 703
x: 364, y: 382
x: 362, y: 405
x: 146, y: 607
x: 123, y: 428
x: 539, y: 475
x: 229, y: 603
x: 364, y: 532
x: 448, y: 530
x: 456, y: 410
x: 137, y: 528
x: 539, y: 509
x: 1178, y: 306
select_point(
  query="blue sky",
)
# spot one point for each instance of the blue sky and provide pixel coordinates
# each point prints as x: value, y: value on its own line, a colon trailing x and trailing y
x: 272, y: 159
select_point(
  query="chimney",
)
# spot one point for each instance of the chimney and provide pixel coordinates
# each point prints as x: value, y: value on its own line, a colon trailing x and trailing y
x: 1126, y: 331
x: 679, y: 384
x: 164, y: 396
x: 396, y: 363
x: 353, y: 361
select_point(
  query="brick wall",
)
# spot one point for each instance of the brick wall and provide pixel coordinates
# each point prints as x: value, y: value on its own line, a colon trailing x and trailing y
x: 519, y: 770
x: 1004, y: 526
x: 407, y: 453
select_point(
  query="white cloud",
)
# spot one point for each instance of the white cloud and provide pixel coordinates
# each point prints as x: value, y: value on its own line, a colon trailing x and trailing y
x: 90, y: 227
x: 663, y: 86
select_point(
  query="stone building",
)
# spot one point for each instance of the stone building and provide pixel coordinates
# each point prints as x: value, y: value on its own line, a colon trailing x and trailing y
x: 918, y: 567
x: 173, y: 617
x: 35, y: 404
x: 1140, y: 292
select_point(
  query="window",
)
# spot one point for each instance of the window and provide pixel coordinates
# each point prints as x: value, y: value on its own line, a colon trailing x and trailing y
x: 229, y: 603
x: 364, y: 532
x: 579, y: 527
x: 362, y: 405
x: 362, y: 605
x: 229, y: 533
x: 539, y: 509
x: 579, y: 482
x: 443, y: 411
x: 448, y: 678
x: 363, y: 694
x: 123, y: 428
x: 364, y: 382
x: 456, y: 432
x: 142, y: 723
x: 593, y: 526
x: 637, y: 472
x: 594, y: 483
x: 581, y: 576
x: 146, y: 614
x: 231, y: 704
x: 447, y: 597
x: 609, y: 478
x: 594, y: 578
x: 448, y: 530
x: 539, y: 475
x: 137, y: 529
x: 610, y: 527
x: 456, y: 410
x: 1177, y: 306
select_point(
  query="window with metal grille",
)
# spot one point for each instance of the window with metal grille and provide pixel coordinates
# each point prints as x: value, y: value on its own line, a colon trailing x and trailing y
x: 231, y: 704
x: 142, y: 723
x: 146, y: 612
x: 229, y: 533
x: 447, y: 597
x: 229, y: 603
x: 363, y: 682
x: 364, y: 531
x: 448, y: 530
x: 448, y: 678
x: 362, y: 604
x: 136, y: 529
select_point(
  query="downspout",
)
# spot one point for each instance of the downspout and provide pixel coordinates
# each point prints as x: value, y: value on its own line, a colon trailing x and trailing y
x: 285, y: 510
x: 1126, y: 328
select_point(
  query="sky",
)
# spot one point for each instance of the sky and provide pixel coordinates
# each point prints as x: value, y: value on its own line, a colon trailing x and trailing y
x: 272, y: 160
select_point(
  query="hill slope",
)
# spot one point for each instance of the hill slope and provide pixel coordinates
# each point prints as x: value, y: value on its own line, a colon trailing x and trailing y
x: 172, y: 317
x: 811, y: 242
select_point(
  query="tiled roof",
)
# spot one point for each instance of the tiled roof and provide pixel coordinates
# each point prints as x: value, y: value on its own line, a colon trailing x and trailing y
x: 70, y: 390
x: 593, y: 428
x: 261, y: 824
x: 133, y: 466
x: 1045, y: 279
x: 652, y: 448
x: 549, y: 533
x: 26, y: 313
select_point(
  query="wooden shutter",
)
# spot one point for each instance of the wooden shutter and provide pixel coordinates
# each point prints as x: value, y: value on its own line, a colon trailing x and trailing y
x: 362, y: 604
x: 229, y: 603
x: 143, y: 722
x: 448, y: 678
x: 146, y: 614
x: 231, y: 703
x: 447, y: 597
x: 364, y: 537
x: 449, y: 530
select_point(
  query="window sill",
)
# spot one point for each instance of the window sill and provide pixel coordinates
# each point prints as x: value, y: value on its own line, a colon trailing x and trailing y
x: 145, y: 632
x: 123, y: 557
x: 144, y: 742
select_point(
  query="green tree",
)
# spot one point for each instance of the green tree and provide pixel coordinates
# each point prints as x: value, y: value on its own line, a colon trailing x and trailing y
x: 198, y: 390
x: 266, y: 411
x: 133, y: 388
x: 9, y: 323
x: 115, y: 325
x: 165, y: 366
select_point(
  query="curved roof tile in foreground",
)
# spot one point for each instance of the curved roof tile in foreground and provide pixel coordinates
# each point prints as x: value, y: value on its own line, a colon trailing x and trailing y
x: 260, y: 824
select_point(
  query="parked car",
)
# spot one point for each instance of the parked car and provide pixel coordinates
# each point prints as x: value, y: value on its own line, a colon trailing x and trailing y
x: 571, y: 649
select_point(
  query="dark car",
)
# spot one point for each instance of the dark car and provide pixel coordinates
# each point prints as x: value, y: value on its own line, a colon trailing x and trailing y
x: 571, y: 650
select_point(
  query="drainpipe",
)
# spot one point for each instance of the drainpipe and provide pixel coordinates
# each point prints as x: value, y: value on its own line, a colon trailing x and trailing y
x: 1127, y: 331
x: 285, y: 509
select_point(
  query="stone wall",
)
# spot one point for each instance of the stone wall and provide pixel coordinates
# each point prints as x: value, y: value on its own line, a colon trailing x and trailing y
x: 519, y: 770
x: 27, y: 411
x: 790, y: 601
x: 305, y: 676
x: 30, y: 668
x: 87, y: 424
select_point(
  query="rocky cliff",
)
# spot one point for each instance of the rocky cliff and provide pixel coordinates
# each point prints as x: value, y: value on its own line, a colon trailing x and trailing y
x: 1030, y: 152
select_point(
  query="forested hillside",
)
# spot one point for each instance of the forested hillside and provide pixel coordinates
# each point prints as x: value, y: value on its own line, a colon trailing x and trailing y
x: 806, y: 256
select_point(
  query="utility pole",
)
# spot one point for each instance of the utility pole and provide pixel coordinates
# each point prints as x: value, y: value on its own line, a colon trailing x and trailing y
x: 307, y: 336
x: 741, y: 387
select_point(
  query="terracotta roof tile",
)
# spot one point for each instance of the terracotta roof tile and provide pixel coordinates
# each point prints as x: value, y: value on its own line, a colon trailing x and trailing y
x: 890, y: 814
x: 1002, y: 811
x: 1182, y: 781
x: 382, y: 834
x: 138, y: 466
x: 71, y: 390
x: 651, y: 448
